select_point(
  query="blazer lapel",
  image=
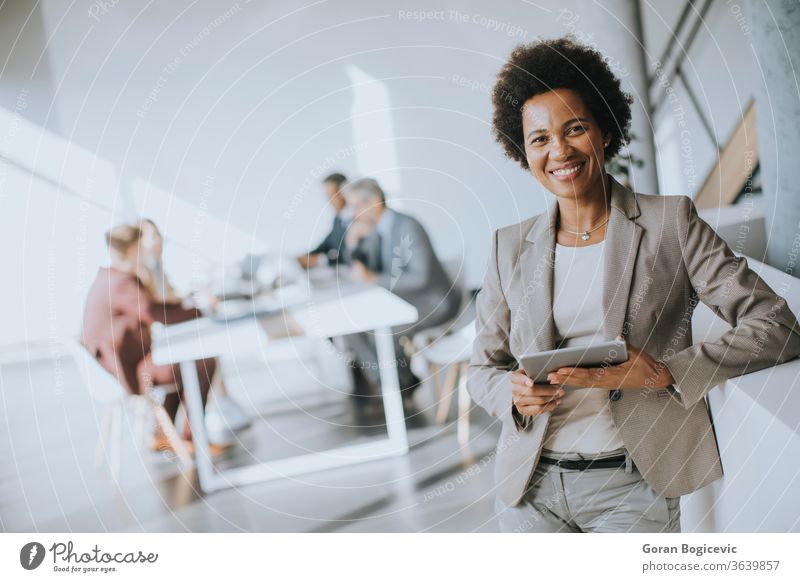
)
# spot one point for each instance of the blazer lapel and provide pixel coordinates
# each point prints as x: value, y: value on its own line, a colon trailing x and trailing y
x: 623, y: 236
x: 537, y: 261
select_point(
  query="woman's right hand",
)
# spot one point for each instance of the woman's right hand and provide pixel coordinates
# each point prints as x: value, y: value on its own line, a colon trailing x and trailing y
x: 531, y: 399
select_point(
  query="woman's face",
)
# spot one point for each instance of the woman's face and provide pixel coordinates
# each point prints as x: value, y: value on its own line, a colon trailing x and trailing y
x: 151, y: 243
x: 563, y: 143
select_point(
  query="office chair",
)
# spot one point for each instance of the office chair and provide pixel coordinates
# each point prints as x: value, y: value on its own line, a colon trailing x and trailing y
x: 106, y: 390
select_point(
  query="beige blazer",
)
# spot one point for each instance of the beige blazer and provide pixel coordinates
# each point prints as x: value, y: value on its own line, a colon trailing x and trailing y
x: 660, y: 258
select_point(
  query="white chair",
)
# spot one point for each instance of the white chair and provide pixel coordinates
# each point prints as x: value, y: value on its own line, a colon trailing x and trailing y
x: 108, y: 392
x: 412, y: 346
x: 455, y: 272
x: 451, y: 353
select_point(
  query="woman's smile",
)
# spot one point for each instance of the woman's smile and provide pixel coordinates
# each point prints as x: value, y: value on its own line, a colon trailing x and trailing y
x: 568, y: 172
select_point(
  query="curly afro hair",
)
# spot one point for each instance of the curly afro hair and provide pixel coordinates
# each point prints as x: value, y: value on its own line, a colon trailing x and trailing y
x: 542, y: 66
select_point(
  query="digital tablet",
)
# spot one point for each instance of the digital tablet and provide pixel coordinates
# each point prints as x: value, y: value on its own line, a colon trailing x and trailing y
x: 607, y: 353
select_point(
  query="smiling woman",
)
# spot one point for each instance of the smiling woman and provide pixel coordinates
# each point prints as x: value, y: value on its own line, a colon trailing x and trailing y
x: 564, y: 149
x: 536, y: 69
x: 611, y: 448
x: 575, y: 117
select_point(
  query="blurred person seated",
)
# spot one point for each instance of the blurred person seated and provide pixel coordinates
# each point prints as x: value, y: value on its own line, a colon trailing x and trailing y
x: 332, y: 245
x: 120, y: 310
x: 150, y: 268
x: 391, y: 249
x: 226, y: 414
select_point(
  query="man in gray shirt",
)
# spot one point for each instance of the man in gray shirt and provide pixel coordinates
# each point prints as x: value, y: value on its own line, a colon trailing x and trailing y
x: 392, y: 249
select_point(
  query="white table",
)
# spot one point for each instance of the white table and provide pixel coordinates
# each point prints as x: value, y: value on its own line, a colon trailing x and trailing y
x: 325, y: 314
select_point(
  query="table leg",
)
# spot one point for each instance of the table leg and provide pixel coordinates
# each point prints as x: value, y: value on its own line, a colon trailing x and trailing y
x: 390, y: 389
x: 194, y: 403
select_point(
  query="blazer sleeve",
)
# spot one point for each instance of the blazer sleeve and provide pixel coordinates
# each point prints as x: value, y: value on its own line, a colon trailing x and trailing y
x: 765, y: 331
x: 492, y: 361
x: 411, y: 260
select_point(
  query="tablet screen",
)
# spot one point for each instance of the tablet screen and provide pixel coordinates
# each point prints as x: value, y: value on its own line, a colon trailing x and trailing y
x: 607, y: 353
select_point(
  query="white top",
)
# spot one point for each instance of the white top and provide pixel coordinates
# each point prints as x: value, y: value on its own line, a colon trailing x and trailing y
x: 582, y: 423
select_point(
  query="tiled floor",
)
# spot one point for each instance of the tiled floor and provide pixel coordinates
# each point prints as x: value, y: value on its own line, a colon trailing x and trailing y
x: 48, y: 480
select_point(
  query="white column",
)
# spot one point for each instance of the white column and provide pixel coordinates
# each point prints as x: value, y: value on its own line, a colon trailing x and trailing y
x: 775, y: 41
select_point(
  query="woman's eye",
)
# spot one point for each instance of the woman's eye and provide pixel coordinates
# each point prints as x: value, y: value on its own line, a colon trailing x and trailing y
x: 577, y: 129
x: 538, y: 140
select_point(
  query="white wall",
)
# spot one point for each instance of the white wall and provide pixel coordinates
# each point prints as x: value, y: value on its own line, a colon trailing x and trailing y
x: 220, y: 118
x: 258, y: 103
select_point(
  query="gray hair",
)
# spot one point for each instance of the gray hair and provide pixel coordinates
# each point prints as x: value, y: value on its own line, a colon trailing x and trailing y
x: 364, y: 188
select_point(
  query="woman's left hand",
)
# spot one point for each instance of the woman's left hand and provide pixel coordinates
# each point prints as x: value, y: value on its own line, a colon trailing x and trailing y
x: 639, y: 371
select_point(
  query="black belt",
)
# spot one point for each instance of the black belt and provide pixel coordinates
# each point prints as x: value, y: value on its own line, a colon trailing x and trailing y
x: 583, y: 465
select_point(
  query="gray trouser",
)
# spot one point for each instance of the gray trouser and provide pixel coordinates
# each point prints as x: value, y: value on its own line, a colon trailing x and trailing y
x: 365, y: 355
x: 595, y: 500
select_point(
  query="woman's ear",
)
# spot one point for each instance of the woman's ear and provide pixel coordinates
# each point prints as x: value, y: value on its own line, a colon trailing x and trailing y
x: 606, y: 140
